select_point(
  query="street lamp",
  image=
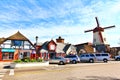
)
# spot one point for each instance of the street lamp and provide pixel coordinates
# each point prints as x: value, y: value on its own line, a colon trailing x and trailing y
x: 36, y: 45
x: 36, y: 39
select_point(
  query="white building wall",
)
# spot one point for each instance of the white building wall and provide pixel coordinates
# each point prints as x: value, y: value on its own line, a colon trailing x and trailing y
x: 97, y: 39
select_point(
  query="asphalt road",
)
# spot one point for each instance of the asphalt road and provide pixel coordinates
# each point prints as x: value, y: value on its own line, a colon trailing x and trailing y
x: 80, y: 71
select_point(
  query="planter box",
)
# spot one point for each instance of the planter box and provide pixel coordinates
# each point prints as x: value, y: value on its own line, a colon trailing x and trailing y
x: 31, y: 64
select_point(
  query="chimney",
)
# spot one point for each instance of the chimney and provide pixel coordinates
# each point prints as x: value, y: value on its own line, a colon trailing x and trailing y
x: 60, y: 40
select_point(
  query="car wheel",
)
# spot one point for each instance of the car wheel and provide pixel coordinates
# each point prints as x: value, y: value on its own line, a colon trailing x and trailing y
x: 105, y: 60
x: 74, y: 62
x: 91, y: 61
x: 61, y: 63
x: 118, y: 59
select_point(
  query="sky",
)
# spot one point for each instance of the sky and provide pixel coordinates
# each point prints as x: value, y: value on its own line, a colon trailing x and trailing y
x: 49, y: 19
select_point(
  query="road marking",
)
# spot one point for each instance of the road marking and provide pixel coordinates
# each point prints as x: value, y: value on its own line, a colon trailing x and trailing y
x: 1, y: 75
x: 11, y: 72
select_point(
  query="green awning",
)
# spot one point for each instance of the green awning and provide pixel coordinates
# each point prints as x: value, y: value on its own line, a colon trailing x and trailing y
x: 8, y: 50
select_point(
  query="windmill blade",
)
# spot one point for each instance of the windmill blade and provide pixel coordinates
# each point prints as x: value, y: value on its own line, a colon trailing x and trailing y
x: 88, y: 30
x: 97, y: 22
x: 109, y: 27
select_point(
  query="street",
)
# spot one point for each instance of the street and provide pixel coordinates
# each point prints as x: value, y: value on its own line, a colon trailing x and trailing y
x: 80, y: 71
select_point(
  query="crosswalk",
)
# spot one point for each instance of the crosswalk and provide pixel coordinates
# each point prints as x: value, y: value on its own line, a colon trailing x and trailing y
x: 2, y: 73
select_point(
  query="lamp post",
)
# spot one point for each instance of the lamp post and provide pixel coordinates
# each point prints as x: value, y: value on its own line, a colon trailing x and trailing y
x: 36, y: 45
x: 36, y: 40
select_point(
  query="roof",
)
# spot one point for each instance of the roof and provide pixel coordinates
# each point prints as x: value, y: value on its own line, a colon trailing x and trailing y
x: 60, y: 48
x: 44, y: 47
x: 87, y: 43
x: 17, y: 36
x: 2, y: 40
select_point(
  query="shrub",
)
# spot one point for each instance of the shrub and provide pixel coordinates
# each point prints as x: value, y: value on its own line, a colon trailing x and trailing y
x: 18, y: 61
x: 28, y: 60
x: 39, y: 60
x: 33, y: 60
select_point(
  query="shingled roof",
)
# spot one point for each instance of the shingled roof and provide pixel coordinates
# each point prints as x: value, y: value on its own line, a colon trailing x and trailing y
x: 17, y: 36
x: 2, y: 40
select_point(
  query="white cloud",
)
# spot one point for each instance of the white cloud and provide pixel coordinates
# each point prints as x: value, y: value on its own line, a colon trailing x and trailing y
x: 67, y: 19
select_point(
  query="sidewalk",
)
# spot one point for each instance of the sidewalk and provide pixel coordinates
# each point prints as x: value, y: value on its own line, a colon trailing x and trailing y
x: 2, y: 64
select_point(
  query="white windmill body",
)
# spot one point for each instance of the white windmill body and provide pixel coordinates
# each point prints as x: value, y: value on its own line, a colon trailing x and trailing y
x: 98, y: 36
x: 99, y: 39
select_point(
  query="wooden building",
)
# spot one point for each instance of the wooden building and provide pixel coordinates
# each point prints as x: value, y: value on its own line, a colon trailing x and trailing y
x: 84, y: 48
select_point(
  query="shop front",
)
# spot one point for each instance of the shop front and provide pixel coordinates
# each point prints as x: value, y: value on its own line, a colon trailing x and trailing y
x: 7, y: 54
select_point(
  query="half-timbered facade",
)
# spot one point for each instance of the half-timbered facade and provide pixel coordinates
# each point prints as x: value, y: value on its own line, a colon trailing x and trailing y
x: 14, y: 47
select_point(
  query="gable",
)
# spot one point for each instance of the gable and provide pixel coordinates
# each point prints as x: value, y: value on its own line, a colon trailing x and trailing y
x: 52, y: 45
x: 17, y: 36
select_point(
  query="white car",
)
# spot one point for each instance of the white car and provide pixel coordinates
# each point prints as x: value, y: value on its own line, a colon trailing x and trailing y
x: 87, y: 57
x: 90, y: 57
x: 73, y: 58
x: 59, y: 60
x: 102, y: 57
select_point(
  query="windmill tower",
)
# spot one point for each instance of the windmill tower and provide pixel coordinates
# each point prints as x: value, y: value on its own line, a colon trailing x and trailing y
x: 99, y: 40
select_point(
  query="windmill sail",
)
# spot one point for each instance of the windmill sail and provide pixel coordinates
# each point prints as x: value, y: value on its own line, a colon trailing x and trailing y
x: 97, y: 22
x: 109, y: 27
x: 88, y: 30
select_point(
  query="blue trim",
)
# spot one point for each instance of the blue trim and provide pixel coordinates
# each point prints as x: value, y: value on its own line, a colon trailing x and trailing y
x: 8, y: 50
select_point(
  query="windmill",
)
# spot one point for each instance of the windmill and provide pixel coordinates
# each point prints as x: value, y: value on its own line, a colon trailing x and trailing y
x: 98, y: 37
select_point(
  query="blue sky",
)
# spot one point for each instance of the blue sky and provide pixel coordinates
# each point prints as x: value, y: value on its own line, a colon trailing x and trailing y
x: 49, y: 19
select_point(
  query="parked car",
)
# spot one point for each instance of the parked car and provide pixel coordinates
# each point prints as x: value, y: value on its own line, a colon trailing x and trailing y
x: 87, y: 57
x: 117, y: 58
x: 73, y: 58
x: 102, y: 57
x: 59, y: 60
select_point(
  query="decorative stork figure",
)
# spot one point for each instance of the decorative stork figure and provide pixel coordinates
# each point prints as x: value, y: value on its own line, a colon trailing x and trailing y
x: 99, y: 41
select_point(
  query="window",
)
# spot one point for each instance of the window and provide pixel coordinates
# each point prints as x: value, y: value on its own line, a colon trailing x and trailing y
x: 7, y: 56
x: 26, y: 54
x: 104, y: 54
x: 82, y: 55
x: 57, y: 58
x: 92, y: 55
x: 97, y: 54
x: 87, y: 55
x: 94, y: 40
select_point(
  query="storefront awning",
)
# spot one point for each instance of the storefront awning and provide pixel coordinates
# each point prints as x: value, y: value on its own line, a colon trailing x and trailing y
x: 8, y: 50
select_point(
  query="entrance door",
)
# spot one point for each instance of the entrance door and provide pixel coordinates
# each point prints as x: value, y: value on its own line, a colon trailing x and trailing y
x: 52, y: 55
